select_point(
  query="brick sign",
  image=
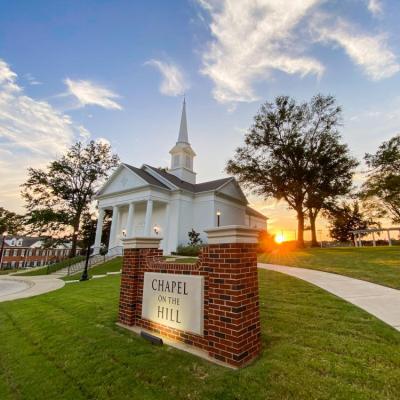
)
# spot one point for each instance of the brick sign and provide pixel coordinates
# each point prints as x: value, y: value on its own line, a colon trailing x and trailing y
x: 174, y: 300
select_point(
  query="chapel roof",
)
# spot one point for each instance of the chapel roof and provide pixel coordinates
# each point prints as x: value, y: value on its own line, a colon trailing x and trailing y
x: 146, y: 176
x: 195, y: 188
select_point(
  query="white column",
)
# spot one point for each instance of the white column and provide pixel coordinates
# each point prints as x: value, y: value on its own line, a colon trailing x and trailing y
x: 99, y: 231
x: 113, y: 229
x: 149, y: 214
x: 389, y: 239
x: 360, y: 240
x: 373, y: 239
x: 166, y: 229
x: 131, y: 220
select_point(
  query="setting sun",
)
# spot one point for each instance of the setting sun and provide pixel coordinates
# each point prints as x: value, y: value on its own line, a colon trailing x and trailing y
x: 279, y: 238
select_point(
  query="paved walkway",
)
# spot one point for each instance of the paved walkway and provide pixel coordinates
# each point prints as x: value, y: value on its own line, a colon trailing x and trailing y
x: 380, y: 301
x: 18, y: 287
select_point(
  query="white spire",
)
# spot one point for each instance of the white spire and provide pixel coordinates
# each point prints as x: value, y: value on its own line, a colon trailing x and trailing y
x: 183, y: 132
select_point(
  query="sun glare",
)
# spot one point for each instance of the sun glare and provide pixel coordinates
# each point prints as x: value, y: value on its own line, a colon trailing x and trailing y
x: 279, y: 238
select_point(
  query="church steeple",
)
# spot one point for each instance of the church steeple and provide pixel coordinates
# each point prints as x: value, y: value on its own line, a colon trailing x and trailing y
x: 182, y: 153
x: 183, y: 132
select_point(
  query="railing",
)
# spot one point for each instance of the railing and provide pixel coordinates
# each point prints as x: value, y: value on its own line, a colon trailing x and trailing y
x: 94, y: 260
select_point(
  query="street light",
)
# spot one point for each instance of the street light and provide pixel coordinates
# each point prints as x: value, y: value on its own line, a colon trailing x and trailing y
x: 218, y: 217
x: 2, y: 249
x: 85, y: 275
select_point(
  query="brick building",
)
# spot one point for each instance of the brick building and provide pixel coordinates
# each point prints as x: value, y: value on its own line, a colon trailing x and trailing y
x: 25, y: 252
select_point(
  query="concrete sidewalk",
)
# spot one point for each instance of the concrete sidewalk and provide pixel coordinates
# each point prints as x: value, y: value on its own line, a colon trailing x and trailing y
x: 380, y: 301
x: 16, y: 287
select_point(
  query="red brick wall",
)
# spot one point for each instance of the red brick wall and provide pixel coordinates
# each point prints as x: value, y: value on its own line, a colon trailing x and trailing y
x: 231, y: 304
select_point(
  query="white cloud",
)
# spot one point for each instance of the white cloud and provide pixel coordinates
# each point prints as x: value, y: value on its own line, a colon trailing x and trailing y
x: 32, y: 133
x: 370, y: 52
x: 173, y: 81
x: 375, y: 7
x: 251, y: 38
x: 88, y: 93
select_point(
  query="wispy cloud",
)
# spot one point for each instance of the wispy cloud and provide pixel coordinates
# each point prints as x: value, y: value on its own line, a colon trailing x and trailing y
x: 88, y: 93
x: 253, y: 38
x: 32, y: 132
x: 173, y: 82
x: 370, y: 52
x: 375, y: 7
x: 250, y: 40
x: 31, y: 79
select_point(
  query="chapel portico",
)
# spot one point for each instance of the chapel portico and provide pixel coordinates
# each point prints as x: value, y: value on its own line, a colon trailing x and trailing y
x: 140, y: 217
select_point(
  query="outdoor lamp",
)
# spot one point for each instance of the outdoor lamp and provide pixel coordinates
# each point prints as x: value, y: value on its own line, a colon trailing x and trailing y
x: 124, y: 232
x: 218, y: 217
x: 156, y: 229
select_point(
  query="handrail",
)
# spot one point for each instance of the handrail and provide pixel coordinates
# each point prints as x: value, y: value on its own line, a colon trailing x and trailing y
x: 94, y: 259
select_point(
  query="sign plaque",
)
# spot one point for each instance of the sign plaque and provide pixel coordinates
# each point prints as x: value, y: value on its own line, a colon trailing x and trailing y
x: 174, y: 300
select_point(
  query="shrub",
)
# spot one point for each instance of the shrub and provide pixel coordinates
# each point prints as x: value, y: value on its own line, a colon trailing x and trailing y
x: 192, y: 251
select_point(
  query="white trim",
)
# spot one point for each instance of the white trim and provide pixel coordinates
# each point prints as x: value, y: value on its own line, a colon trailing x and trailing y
x: 232, y: 234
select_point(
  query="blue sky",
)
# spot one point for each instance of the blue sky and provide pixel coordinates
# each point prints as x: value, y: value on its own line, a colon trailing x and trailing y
x: 116, y: 70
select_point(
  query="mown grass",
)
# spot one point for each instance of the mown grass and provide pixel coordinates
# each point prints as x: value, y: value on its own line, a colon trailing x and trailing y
x: 109, y: 266
x: 65, y: 345
x: 374, y: 264
x: 53, y: 267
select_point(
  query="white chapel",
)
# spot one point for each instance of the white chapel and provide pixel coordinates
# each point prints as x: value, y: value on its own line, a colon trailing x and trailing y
x: 149, y: 201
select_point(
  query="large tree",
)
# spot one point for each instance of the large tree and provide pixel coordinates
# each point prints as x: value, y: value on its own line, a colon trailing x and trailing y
x: 293, y: 152
x: 381, y: 190
x: 58, y: 197
x: 10, y: 222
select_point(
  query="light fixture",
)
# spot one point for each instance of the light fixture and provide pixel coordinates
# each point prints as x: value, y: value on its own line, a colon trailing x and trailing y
x: 124, y: 232
x: 156, y: 229
x: 218, y: 217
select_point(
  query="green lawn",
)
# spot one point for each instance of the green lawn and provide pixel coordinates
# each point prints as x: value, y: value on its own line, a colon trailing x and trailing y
x: 374, y: 264
x: 65, y: 345
x: 109, y: 266
x: 53, y: 267
x: 7, y: 271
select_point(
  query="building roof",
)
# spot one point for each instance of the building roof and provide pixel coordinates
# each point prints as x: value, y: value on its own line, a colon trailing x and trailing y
x: 255, y: 213
x: 194, y: 188
x: 146, y: 176
x: 27, y: 241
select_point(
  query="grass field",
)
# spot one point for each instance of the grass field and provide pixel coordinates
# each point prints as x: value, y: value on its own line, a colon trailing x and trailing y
x: 374, y: 264
x: 53, y: 267
x: 109, y: 266
x: 65, y: 345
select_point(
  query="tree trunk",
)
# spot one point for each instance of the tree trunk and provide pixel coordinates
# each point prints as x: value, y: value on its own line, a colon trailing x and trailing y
x: 74, y: 239
x: 300, y: 228
x: 313, y: 216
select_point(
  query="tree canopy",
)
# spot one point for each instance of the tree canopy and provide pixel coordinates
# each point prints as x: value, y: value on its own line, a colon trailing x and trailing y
x: 10, y: 222
x: 293, y: 152
x: 345, y: 218
x: 381, y: 190
x: 58, y: 197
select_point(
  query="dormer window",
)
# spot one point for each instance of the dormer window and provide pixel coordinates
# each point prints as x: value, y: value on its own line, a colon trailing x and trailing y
x: 19, y: 243
x: 13, y: 241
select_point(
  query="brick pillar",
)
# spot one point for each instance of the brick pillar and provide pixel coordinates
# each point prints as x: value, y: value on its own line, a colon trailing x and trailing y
x: 136, y: 250
x: 233, y: 310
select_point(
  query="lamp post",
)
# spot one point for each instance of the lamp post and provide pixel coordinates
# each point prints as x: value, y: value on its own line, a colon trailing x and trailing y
x: 2, y: 249
x: 85, y: 275
x: 218, y: 218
